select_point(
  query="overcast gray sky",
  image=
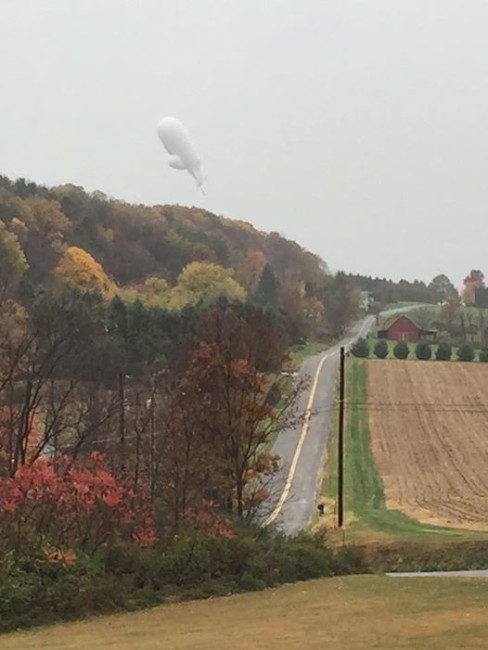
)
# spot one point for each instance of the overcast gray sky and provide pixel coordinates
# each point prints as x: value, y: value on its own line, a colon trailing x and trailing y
x: 359, y: 128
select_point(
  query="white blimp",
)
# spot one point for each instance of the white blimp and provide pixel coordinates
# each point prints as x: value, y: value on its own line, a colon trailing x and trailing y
x: 178, y: 144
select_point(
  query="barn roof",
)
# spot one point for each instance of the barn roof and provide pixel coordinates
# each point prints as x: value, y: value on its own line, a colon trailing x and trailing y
x: 386, y: 324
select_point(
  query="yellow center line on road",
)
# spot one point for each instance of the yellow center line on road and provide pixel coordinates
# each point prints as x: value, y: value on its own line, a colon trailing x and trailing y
x: 291, y: 474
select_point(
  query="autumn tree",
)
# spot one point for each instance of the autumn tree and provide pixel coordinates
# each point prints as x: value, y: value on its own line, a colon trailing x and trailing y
x: 442, y: 287
x: 12, y: 261
x: 223, y: 406
x: 204, y: 282
x: 245, y: 331
x: 250, y: 269
x: 15, y: 341
x: 69, y: 504
x: 78, y: 268
x: 43, y: 363
x: 450, y: 309
x: 475, y: 280
x: 155, y: 291
x: 41, y: 227
x: 341, y: 303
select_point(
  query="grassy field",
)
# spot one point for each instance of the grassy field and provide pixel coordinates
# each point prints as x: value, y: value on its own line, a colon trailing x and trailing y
x: 299, y: 353
x: 343, y: 613
x: 397, y: 306
x: 367, y: 517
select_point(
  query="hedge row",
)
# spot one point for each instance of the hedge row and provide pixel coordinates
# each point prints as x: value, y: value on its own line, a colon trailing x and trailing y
x: 423, y: 351
x: 34, y: 592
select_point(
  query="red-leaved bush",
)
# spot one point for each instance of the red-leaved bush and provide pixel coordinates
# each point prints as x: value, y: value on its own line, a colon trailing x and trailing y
x: 207, y: 519
x: 69, y: 504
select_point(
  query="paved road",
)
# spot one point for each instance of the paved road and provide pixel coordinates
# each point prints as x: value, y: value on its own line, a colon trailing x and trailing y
x: 477, y: 573
x: 302, y: 449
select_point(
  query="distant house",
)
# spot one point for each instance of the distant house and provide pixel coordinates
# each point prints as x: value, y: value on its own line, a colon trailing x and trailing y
x: 405, y: 329
x: 366, y: 299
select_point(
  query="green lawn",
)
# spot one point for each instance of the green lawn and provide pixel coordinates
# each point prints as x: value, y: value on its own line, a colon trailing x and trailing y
x: 340, y: 613
x: 299, y: 353
x: 396, y: 306
x: 367, y: 517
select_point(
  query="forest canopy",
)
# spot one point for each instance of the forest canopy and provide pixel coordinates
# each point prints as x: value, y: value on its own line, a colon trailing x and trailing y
x: 165, y: 255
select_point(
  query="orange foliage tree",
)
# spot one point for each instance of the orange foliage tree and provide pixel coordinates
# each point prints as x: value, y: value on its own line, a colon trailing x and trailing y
x: 475, y: 280
x: 223, y: 417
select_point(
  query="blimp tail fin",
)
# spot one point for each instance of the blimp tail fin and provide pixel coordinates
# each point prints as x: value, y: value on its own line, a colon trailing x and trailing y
x: 176, y: 162
x: 199, y: 182
x: 199, y: 178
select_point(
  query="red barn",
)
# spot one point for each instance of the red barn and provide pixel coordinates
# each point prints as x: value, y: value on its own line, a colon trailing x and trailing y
x: 404, y: 329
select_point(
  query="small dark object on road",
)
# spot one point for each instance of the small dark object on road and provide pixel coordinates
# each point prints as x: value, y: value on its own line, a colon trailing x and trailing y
x: 321, y: 509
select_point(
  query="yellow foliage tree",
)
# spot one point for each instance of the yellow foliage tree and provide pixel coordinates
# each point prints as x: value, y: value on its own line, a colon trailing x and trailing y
x: 205, y: 282
x: 79, y: 268
x: 154, y: 292
x: 42, y: 218
x: 12, y: 260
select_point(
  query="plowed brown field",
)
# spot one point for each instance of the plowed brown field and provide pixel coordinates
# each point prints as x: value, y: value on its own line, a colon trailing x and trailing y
x: 429, y: 435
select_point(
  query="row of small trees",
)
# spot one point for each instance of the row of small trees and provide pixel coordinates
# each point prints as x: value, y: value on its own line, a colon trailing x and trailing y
x: 423, y: 351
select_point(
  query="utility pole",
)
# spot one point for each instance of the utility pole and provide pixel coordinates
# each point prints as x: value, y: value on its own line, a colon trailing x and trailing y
x: 340, y: 443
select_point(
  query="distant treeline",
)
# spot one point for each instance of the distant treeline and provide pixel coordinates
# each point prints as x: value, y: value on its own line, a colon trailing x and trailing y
x: 387, y: 291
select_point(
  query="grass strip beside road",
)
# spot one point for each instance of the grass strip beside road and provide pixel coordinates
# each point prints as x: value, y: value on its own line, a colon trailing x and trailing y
x: 298, y: 353
x: 367, y: 517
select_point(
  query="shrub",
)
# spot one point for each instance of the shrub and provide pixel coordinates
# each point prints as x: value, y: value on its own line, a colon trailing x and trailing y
x: 351, y: 559
x: 47, y: 501
x: 127, y: 577
x: 465, y: 352
x: 423, y: 351
x: 401, y: 350
x: 444, y: 352
x: 483, y: 355
x: 360, y: 348
x: 249, y: 582
x: 426, y: 556
x: 381, y: 349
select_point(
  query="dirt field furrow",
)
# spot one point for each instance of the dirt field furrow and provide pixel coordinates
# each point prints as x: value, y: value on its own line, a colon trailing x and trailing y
x: 429, y: 435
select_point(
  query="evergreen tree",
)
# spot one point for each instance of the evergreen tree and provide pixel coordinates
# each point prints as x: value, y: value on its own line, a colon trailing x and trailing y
x: 466, y: 352
x: 401, y: 350
x: 360, y: 348
x: 444, y: 352
x: 423, y: 351
x: 381, y: 349
x: 268, y: 290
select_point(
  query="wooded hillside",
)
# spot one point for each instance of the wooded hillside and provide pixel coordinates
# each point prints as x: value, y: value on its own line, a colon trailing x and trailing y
x: 141, y: 351
x: 169, y: 256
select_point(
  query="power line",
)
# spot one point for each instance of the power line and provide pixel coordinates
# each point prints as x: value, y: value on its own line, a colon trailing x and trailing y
x: 418, y: 406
